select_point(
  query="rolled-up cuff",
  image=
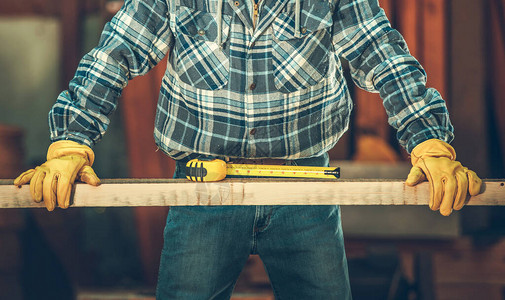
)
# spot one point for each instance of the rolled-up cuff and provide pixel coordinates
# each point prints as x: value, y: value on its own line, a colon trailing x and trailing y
x: 68, y: 147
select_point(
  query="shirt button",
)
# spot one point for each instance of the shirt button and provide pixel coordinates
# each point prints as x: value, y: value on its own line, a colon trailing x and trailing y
x: 304, y: 30
x: 252, y: 86
x: 201, y: 32
x: 253, y: 131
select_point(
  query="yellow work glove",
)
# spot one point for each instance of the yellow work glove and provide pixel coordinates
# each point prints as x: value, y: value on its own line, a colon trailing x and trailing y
x: 52, y: 181
x: 435, y: 161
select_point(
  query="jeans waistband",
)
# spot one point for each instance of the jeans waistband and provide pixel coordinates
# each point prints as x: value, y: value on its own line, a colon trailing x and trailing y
x: 258, y: 161
x: 315, y: 161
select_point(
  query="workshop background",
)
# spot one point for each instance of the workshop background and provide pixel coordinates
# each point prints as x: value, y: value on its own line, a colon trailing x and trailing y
x: 113, y: 253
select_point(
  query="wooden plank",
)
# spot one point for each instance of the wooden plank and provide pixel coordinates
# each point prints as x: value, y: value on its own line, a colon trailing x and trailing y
x: 181, y: 192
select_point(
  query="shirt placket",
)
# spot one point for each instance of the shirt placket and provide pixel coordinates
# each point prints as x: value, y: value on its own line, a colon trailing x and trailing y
x: 255, y: 11
x: 249, y: 103
x: 251, y: 85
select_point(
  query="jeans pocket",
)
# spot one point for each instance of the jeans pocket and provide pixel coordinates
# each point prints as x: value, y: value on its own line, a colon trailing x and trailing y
x: 199, y: 60
x: 300, y: 61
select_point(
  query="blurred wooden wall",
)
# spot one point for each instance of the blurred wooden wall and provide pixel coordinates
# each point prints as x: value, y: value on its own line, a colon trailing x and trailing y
x: 460, y: 43
x: 139, y: 107
x: 70, y: 13
x: 450, y: 40
x: 425, y: 26
x: 495, y: 103
x: 138, y: 102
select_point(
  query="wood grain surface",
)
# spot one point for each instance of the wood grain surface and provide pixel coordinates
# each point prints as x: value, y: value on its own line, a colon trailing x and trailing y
x: 181, y: 192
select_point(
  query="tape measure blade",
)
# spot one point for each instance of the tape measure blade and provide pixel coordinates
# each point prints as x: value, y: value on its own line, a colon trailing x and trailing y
x: 282, y: 171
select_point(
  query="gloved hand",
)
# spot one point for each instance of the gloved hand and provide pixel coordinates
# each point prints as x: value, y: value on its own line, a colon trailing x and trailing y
x: 435, y: 161
x: 52, y: 181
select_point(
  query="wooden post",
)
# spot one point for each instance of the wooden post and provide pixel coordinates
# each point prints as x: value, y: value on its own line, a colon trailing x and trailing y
x: 70, y: 15
x: 138, y: 105
x: 496, y: 91
x: 468, y: 84
x: 372, y: 131
x: 435, y: 44
x: 409, y: 24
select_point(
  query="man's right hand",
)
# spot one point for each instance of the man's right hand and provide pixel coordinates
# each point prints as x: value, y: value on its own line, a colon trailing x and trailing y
x: 52, y: 181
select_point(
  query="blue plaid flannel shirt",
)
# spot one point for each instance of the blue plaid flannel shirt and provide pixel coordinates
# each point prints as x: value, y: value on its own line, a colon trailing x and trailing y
x: 237, y: 89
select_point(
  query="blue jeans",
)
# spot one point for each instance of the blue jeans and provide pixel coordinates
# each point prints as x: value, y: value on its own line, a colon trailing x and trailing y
x: 206, y: 247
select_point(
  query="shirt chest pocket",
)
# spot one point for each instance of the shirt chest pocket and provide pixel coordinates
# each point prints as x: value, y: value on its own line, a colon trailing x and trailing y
x: 199, y: 59
x: 301, y: 59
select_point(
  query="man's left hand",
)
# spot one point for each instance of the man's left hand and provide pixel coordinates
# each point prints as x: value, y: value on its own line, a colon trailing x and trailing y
x: 450, y: 182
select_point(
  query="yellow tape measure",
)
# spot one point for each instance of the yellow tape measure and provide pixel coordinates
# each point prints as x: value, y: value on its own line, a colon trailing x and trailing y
x: 216, y: 170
